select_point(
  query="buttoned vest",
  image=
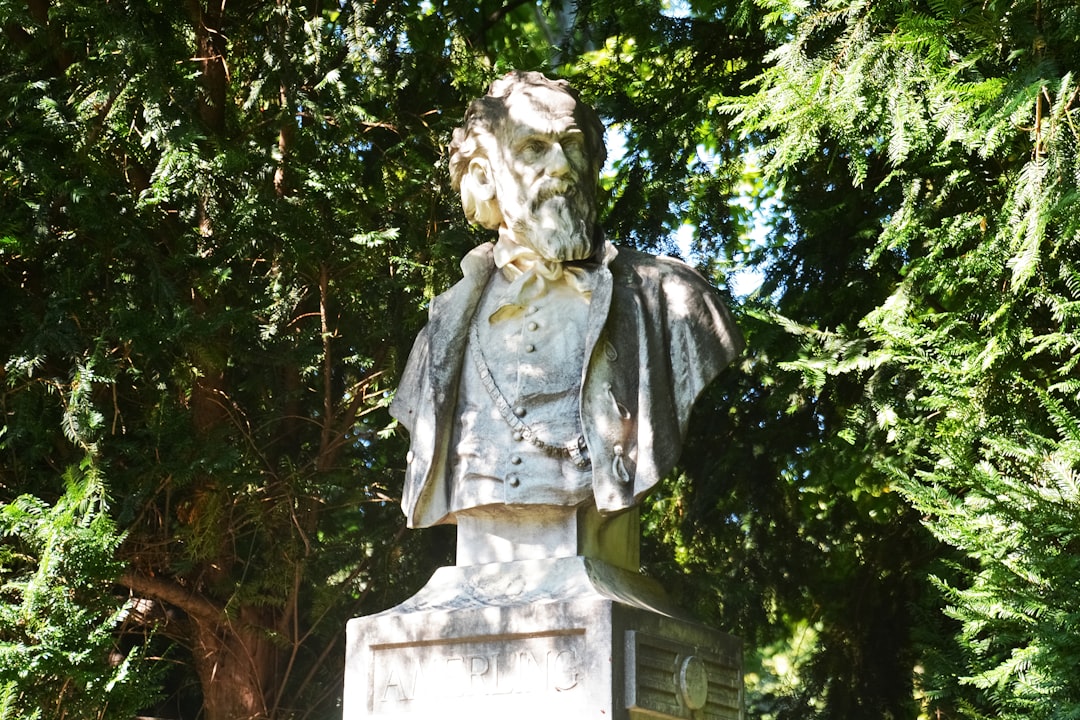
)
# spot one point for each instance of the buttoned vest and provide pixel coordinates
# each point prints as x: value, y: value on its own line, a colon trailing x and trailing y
x: 517, y: 435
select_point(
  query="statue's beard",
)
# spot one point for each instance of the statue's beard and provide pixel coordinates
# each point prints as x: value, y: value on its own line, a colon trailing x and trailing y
x: 556, y: 224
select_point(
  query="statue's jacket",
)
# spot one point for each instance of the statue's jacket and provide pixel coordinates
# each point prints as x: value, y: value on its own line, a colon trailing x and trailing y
x: 657, y: 335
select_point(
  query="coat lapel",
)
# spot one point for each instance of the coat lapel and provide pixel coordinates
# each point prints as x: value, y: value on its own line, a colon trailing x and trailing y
x: 599, y: 306
x: 451, y: 314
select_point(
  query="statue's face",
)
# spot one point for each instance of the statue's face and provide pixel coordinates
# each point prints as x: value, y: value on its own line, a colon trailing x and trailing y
x: 545, y: 181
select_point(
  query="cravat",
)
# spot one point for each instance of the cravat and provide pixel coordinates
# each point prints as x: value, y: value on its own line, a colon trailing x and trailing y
x: 530, y: 275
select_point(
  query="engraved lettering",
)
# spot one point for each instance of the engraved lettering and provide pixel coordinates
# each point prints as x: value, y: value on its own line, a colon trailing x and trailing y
x: 563, y: 671
x: 478, y: 668
x: 528, y: 676
x: 392, y: 684
x: 499, y: 671
x: 453, y: 679
x: 406, y: 675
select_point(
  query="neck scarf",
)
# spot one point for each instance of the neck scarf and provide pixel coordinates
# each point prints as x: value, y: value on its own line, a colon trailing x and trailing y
x: 531, y: 275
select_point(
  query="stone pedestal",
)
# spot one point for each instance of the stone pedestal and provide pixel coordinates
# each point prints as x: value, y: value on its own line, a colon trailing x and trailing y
x: 566, y: 638
x: 505, y: 533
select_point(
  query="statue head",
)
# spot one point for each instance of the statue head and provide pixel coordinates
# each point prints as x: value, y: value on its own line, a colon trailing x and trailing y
x: 528, y: 159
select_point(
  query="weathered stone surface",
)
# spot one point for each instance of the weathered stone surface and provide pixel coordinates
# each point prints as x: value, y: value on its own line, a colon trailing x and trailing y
x: 560, y: 371
x: 559, y: 638
x: 531, y: 532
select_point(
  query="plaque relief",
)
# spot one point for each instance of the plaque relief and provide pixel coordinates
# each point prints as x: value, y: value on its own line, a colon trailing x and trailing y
x: 667, y: 679
x: 409, y: 677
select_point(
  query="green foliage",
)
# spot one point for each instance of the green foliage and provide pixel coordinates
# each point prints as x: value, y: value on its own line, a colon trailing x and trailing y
x: 215, y: 256
x: 962, y: 119
x: 59, y: 655
x: 656, y: 75
x: 219, y: 230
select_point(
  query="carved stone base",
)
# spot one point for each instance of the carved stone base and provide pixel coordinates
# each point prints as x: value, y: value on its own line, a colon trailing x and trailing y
x: 562, y: 638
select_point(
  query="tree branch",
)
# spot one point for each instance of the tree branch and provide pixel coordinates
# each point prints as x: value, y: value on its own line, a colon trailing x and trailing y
x: 495, y: 18
x: 194, y: 604
x: 327, y: 433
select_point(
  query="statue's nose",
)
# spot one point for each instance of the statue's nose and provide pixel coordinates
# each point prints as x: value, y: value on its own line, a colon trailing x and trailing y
x: 558, y: 164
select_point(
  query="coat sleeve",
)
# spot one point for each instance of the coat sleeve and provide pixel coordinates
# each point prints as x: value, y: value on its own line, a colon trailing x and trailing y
x: 701, y: 334
x: 425, y: 397
x: 413, y: 406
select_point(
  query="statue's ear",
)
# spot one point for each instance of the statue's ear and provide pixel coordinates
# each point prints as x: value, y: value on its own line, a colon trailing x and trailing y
x: 478, y: 194
x: 481, y: 182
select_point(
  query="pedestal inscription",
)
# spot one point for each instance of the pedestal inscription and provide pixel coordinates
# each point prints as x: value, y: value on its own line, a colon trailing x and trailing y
x: 406, y: 677
x: 562, y: 639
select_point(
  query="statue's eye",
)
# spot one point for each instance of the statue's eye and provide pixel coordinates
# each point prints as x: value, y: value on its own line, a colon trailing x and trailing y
x: 534, y: 148
x: 573, y: 142
x: 574, y: 145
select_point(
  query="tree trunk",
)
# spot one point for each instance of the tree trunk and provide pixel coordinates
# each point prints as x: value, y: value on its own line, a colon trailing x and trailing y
x: 210, y: 46
x: 236, y: 665
x: 234, y: 656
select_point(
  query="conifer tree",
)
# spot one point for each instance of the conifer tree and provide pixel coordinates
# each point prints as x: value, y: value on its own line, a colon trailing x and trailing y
x: 218, y: 226
x: 963, y: 118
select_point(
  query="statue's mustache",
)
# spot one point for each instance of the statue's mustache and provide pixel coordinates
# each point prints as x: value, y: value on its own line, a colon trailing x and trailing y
x: 550, y: 187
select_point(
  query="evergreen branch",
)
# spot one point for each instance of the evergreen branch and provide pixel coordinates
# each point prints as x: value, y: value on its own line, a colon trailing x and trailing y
x: 495, y: 18
x: 328, y: 363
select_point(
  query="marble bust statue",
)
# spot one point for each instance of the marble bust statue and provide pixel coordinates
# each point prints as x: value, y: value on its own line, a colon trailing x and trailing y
x: 555, y: 380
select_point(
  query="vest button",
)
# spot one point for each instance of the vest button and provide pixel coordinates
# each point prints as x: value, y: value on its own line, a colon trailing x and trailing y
x: 514, y: 480
x: 518, y: 435
x: 515, y: 459
x: 530, y: 348
x: 532, y: 326
x: 520, y: 411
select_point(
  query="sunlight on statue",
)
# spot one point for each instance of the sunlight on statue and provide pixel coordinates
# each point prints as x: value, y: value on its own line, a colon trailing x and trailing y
x: 552, y: 386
